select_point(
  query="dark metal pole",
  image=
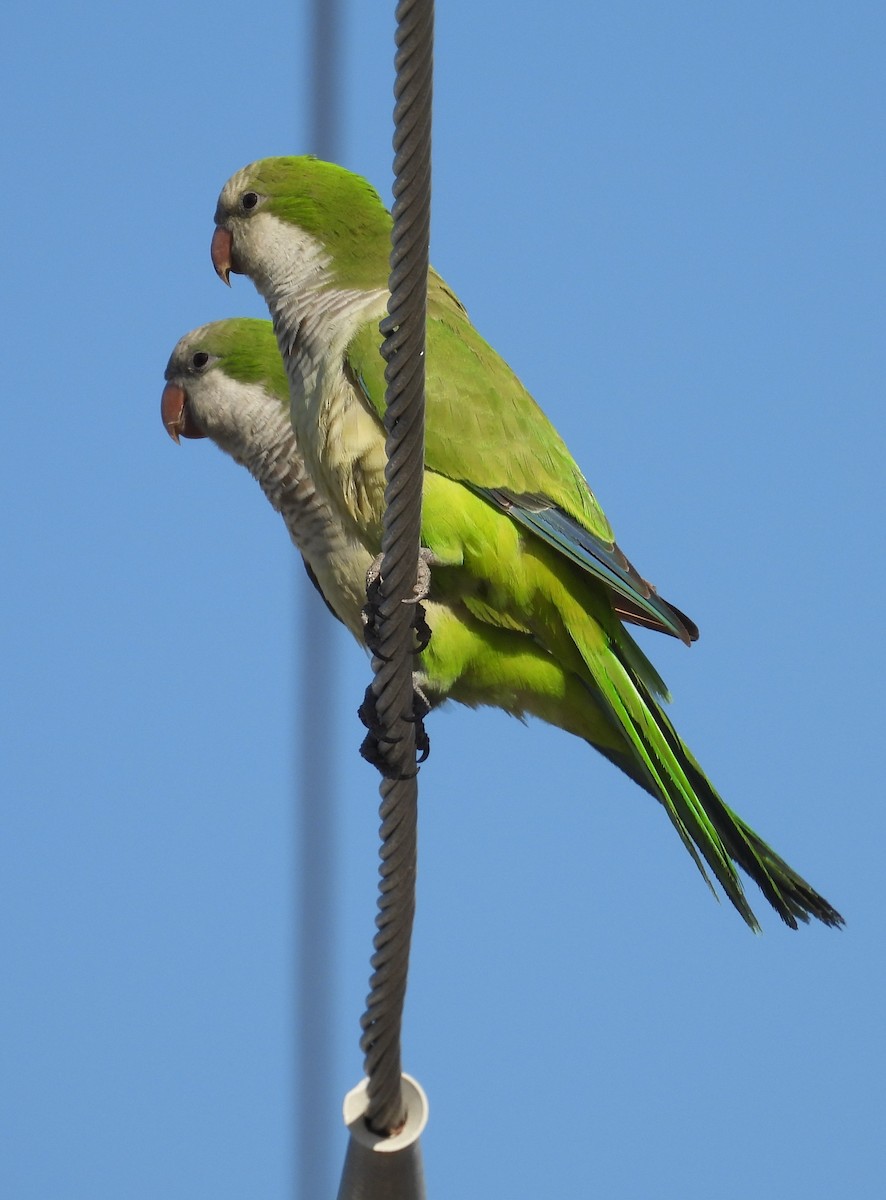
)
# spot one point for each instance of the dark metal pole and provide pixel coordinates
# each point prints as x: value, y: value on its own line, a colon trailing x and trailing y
x: 325, y: 83
x: 316, y: 1098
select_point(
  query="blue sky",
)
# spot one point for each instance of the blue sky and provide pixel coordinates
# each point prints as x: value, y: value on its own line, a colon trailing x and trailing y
x: 669, y: 219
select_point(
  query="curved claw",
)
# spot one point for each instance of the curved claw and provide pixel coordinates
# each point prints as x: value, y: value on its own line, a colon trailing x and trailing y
x: 377, y: 743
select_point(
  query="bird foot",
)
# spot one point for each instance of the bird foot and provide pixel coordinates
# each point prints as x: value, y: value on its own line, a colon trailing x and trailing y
x: 377, y: 744
x: 370, y: 612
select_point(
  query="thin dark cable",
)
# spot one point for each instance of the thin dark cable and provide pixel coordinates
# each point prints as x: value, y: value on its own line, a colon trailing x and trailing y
x: 392, y: 687
x: 316, y: 1102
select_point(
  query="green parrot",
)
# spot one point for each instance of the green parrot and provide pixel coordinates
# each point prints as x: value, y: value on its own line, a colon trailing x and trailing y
x: 513, y: 533
x: 225, y: 381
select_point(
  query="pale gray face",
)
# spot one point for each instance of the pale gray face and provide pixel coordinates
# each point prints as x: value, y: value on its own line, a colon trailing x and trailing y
x: 201, y: 400
x: 250, y: 423
x: 278, y: 257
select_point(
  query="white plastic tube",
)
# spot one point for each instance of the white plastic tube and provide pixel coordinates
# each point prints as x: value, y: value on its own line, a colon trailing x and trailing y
x: 384, y: 1168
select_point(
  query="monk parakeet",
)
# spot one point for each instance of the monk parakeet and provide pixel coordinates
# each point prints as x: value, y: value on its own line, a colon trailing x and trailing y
x: 226, y: 381
x: 514, y: 534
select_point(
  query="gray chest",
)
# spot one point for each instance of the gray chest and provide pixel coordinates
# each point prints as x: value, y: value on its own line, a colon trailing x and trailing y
x: 343, y: 444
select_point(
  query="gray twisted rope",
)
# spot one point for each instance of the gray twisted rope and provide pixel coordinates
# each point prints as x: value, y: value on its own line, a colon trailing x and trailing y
x: 403, y: 348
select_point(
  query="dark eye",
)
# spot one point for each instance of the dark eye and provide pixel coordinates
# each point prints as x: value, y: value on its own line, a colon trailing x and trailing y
x: 248, y: 201
x: 200, y: 360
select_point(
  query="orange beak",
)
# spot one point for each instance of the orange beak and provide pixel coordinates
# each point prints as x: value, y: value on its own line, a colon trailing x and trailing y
x: 177, y: 419
x: 221, y: 250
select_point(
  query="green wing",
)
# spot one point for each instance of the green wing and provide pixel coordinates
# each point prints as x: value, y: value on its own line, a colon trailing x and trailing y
x: 485, y: 430
x: 483, y: 427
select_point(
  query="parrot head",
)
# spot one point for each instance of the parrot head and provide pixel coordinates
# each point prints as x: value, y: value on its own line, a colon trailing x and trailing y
x: 221, y: 380
x: 291, y: 222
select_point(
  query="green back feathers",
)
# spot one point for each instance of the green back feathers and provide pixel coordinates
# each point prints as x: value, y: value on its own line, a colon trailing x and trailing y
x: 341, y: 209
x: 483, y: 427
x: 247, y: 348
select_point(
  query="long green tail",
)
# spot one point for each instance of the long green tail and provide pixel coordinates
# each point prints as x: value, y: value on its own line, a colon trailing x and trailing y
x: 788, y: 893
x: 657, y: 759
